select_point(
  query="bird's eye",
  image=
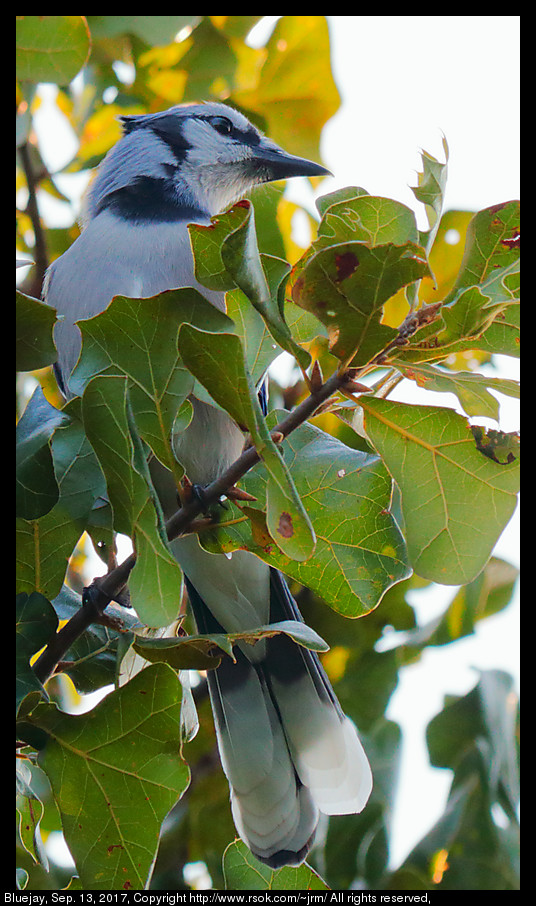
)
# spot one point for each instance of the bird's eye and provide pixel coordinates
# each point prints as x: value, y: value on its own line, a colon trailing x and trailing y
x: 222, y: 125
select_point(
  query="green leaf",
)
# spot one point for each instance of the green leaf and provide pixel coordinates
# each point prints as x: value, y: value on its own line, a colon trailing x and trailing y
x: 153, y: 30
x: 270, y: 206
x: 207, y: 242
x: 115, y: 773
x: 346, y: 287
x: 105, y: 420
x: 44, y: 547
x: 36, y: 623
x: 226, y: 255
x: 138, y: 338
x: 242, y: 260
x: 471, y: 312
x: 217, y: 360
x: 492, y: 242
x: 471, y: 389
x: 477, y: 317
x: 300, y: 632
x: 30, y: 808
x: 347, y: 193
x: 286, y: 518
x: 351, y: 214
x: 79, y: 476
x: 431, y: 191
x: 196, y: 652
x: 455, y: 500
x: 156, y: 580
x: 481, y: 310
x: 365, y: 218
x: 36, y: 486
x: 360, y: 551
x: 242, y: 871
x: 51, y: 48
x: 503, y: 335
x: 490, y: 711
x: 259, y: 346
x: 34, y: 322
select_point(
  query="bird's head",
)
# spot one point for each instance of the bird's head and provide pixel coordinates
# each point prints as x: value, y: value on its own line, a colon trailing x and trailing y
x: 190, y: 160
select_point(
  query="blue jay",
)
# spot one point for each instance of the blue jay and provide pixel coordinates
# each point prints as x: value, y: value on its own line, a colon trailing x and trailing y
x: 286, y: 747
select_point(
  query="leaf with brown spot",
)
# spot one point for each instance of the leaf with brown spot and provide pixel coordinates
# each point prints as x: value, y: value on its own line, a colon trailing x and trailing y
x: 346, y: 287
x: 285, y: 527
x: 359, y: 553
x: 218, y: 362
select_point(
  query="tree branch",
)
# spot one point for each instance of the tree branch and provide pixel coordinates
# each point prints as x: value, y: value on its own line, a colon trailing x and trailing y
x: 32, y: 209
x: 106, y: 589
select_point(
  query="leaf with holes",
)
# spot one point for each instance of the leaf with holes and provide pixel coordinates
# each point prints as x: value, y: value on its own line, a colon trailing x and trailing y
x: 492, y: 242
x: 471, y: 389
x: 199, y: 652
x: 456, y: 501
x: 370, y: 219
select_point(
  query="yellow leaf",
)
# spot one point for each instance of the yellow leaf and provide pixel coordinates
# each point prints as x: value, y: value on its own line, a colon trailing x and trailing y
x: 169, y: 84
x: 101, y: 131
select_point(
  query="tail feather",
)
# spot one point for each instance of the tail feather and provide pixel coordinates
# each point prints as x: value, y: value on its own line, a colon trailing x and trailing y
x: 272, y: 811
x: 286, y: 747
x: 326, y: 750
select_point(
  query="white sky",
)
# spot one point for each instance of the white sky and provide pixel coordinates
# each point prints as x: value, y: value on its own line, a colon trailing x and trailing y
x: 404, y: 81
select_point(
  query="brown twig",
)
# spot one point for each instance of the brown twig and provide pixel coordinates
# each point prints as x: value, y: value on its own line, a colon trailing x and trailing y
x: 32, y: 209
x: 106, y: 589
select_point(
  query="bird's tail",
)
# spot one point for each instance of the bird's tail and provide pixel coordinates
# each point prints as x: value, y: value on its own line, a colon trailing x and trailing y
x: 286, y: 747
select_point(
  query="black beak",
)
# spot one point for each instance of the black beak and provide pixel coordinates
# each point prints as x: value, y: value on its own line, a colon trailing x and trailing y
x: 271, y: 164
